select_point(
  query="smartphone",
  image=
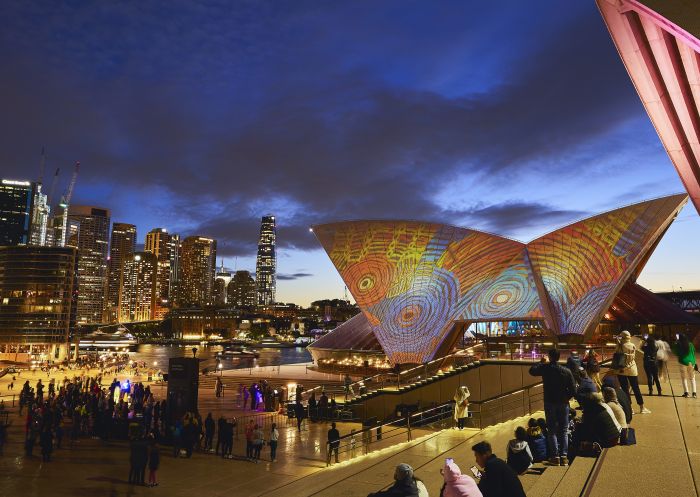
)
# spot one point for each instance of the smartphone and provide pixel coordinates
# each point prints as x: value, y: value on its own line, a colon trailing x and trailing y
x: 449, y: 460
x: 678, y: 336
x: 475, y: 472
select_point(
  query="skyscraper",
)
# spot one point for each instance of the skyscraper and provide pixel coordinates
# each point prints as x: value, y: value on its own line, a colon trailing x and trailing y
x: 221, y: 281
x: 265, y: 267
x: 93, y: 247
x: 16, y: 203
x: 197, y: 267
x: 241, y: 291
x: 175, y: 257
x: 160, y: 243
x: 138, y: 294
x: 40, y: 218
x: 122, y: 247
x: 37, y: 301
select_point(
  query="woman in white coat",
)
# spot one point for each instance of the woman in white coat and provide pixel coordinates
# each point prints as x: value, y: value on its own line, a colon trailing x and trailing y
x: 461, y: 406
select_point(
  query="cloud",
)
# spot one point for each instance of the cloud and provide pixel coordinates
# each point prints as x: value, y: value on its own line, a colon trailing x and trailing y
x: 294, y: 276
x: 228, y: 114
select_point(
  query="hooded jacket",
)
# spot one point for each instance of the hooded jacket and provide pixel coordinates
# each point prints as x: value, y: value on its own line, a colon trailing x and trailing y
x: 538, y: 443
x: 519, y: 456
x: 457, y: 484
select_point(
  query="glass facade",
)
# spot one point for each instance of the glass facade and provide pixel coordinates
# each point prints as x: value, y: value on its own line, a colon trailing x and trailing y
x: 38, y: 298
x: 16, y: 200
x: 266, y: 263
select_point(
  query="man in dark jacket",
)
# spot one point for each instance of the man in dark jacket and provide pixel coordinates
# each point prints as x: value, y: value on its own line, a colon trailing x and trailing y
x: 497, y: 478
x: 333, y: 442
x: 404, y: 484
x: 559, y: 387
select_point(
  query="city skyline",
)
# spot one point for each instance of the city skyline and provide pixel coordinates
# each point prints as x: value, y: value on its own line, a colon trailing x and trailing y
x: 517, y: 136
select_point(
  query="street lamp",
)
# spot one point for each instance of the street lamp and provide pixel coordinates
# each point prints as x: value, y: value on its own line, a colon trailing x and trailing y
x: 221, y: 369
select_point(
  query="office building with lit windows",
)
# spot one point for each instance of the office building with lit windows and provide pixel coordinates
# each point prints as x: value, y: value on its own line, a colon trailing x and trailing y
x: 138, y: 296
x: 38, y: 302
x: 242, y: 290
x: 16, y: 204
x: 197, y: 267
x: 93, y: 248
x: 266, y: 264
x: 221, y: 282
x: 166, y: 249
x: 122, y: 246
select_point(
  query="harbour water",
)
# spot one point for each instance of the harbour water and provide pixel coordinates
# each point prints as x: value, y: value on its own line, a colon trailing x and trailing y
x: 158, y: 356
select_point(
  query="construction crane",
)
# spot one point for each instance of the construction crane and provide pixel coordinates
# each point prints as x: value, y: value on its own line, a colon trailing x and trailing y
x: 42, y: 166
x: 65, y: 201
x: 53, y: 186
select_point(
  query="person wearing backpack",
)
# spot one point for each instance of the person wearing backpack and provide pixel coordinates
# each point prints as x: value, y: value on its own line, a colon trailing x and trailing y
x: 559, y: 388
x: 628, y: 373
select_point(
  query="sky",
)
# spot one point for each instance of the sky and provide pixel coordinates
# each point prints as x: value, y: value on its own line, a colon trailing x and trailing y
x: 512, y: 117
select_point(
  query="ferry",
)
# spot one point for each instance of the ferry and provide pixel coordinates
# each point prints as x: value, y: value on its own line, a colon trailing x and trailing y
x: 99, y: 340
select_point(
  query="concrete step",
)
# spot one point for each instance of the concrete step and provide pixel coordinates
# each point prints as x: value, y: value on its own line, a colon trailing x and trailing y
x: 543, y: 485
x: 575, y: 478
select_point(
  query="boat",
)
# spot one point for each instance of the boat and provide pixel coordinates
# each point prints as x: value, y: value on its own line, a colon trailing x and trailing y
x: 238, y: 351
x: 100, y: 340
x: 272, y: 343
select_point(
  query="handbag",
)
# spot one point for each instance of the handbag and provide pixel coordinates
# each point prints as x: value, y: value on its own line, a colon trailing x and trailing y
x: 618, y: 361
x: 628, y: 437
x: 589, y: 449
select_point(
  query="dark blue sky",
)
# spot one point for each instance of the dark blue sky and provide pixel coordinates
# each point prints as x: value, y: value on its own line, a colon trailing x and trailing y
x: 514, y: 117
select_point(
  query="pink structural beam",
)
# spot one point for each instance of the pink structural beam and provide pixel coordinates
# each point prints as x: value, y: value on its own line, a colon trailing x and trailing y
x: 659, y: 43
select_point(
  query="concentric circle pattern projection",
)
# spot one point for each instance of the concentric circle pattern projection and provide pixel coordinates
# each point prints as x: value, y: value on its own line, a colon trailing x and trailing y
x: 413, y: 280
x: 369, y: 279
x: 409, y: 321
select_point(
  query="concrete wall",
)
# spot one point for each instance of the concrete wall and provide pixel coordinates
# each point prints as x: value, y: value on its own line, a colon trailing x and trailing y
x: 487, y: 382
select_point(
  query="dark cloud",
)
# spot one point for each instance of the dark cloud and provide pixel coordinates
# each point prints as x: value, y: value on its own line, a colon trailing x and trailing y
x: 504, y: 218
x: 315, y: 114
x: 294, y: 276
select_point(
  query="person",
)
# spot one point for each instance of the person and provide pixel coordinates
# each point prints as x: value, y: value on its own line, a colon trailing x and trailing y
x: 497, y: 478
x: 209, y: 427
x: 518, y: 454
x: 623, y: 397
x: 685, y: 350
x: 663, y: 352
x: 574, y: 363
x: 586, y: 385
x: 219, y: 387
x: 461, y: 411
x: 536, y: 440
x: 258, y: 441
x: 219, y: 433
x: 153, y: 464
x: 333, y: 442
x: 559, y: 387
x: 599, y: 423
x: 610, y: 398
x: 274, y: 438
x: 628, y: 374
x: 313, y: 407
x: 591, y: 363
x: 405, y: 484
x: 651, y: 365
x: 249, y: 440
x: 457, y: 484
x: 46, y: 442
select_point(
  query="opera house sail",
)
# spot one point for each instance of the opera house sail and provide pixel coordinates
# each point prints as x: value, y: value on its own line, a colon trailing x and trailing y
x: 417, y: 282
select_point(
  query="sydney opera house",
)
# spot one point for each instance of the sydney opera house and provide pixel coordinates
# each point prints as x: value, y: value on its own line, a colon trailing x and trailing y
x: 420, y: 285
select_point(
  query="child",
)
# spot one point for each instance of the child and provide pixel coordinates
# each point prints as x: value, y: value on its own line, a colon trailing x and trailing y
x: 536, y: 440
x: 519, y: 455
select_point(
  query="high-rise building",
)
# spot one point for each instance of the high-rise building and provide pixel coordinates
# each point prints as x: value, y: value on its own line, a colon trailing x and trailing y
x: 138, y: 295
x: 221, y: 281
x: 38, y: 292
x: 39, y: 227
x: 16, y: 203
x: 175, y: 257
x: 197, y: 266
x: 93, y: 248
x: 265, y: 266
x: 122, y: 246
x: 160, y: 243
x: 241, y: 290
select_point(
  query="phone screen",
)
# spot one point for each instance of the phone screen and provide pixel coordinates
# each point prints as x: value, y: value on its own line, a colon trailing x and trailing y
x: 476, y: 471
x: 449, y: 460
